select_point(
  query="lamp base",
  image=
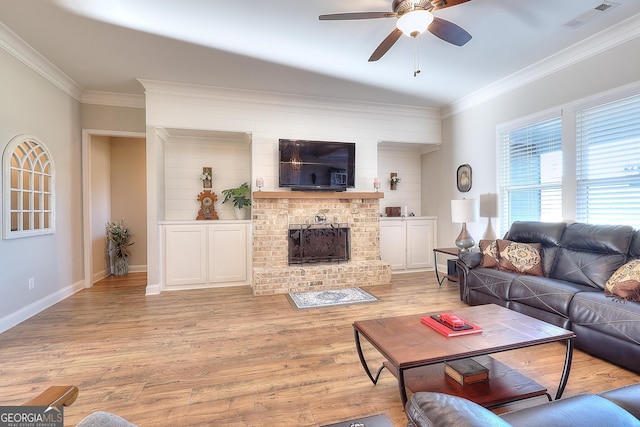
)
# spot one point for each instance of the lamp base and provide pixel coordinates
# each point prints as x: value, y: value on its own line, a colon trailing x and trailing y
x: 489, y: 234
x: 464, y: 241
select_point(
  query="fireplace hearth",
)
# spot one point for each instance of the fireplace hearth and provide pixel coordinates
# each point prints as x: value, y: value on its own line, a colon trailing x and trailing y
x: 274, y: 213
x: 318, y: 243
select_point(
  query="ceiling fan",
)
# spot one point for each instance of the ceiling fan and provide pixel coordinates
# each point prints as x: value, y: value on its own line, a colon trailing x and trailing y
x: 414, y: 17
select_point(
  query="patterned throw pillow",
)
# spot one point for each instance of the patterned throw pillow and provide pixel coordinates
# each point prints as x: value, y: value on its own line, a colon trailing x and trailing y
x: 489, y: 251
x: 624, y: 284
x: 524, y: 258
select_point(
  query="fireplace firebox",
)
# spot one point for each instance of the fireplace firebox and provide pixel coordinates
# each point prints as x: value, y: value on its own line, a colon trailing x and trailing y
x: 318, y: 243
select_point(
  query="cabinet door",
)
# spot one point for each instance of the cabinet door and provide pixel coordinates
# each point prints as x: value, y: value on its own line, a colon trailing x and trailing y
x: 420, y: 243
x: 228, y: 253
x: 393, y: 244
x: 185, y: 255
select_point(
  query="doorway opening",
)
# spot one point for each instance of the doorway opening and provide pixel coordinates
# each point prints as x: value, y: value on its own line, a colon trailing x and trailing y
x: 114, y: 189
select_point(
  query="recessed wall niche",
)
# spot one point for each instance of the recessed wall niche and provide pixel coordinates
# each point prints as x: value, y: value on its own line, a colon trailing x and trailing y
x: 186, y: 152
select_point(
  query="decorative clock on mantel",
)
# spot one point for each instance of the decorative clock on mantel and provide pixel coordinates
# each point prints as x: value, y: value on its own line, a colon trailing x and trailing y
x: 207, y: 210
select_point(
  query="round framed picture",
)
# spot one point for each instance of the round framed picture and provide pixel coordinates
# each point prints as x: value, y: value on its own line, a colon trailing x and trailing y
x: 320, y: 218
x: 464, y: 178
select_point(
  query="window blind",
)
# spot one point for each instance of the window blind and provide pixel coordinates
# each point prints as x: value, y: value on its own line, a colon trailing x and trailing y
x: 530, y: 173
x: 608, y: 163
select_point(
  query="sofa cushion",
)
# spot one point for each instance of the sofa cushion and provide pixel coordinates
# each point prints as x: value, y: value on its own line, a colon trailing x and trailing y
x: 548, y: 234
x: 595, y: 311
x: 524, y: 258
x: 604, y: 239
x: 490, y: 281
x: 545, y: 233
x: 624, y: 284
x: 443, y: 410
x: 550, y: 295
x: 591, y: 269
x: 627, y: 397
x: 489, y: 251
x: 581, y: 410
x: 634, y: 248
x: 590, y: 254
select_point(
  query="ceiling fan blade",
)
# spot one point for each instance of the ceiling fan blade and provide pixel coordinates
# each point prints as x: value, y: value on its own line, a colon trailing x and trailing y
x: 449, y: 32
x: 441, y: 4
x: 386, y: 44
x: 356, y: 15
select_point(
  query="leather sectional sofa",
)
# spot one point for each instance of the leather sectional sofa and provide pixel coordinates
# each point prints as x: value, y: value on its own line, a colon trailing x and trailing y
x: 577, y: 260
x: 619, y: 407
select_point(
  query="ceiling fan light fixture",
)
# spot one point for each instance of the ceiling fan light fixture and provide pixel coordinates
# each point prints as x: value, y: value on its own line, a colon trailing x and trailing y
x: 415, y: 22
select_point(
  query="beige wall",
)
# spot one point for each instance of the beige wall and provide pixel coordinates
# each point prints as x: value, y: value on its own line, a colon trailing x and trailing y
x: 119, y: 191
x: 470, y: 136
x: 105, y: 117
x: 128, y: 193
x: 100, y: 194
x: 31, y: 105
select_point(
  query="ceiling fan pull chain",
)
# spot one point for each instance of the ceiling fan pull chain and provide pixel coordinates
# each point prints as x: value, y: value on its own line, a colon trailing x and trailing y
x: 416, y: 58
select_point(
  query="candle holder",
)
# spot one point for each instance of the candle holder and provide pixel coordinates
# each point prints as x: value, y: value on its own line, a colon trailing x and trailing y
x: 259, y: 183
x: 376, y: 183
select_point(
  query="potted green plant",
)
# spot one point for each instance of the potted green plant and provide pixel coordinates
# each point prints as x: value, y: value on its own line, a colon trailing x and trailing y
x: 240, y: 196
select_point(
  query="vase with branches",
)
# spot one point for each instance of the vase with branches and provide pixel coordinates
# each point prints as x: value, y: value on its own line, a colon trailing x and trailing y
x: 118, y: 242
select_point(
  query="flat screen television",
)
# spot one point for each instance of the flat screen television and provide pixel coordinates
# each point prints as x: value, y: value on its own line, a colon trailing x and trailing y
x: 317, y: 165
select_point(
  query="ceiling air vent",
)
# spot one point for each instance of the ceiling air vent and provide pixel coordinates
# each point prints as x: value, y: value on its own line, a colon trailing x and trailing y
x: 591, y: 14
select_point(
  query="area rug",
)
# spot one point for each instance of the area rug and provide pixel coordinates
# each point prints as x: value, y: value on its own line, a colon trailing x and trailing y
x: 331, y: 297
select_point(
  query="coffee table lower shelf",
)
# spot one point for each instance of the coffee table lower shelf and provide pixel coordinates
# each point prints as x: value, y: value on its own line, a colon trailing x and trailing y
x: 505, y: 384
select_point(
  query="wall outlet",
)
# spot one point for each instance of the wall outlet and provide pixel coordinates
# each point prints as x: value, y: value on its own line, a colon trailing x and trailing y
x: 32, y: 283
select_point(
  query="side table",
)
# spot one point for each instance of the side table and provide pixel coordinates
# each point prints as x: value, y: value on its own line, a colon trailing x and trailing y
x: 448, y: 251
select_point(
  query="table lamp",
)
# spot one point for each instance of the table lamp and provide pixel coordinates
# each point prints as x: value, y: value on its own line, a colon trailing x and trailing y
x: 489, y: 209
x: 463, y: 211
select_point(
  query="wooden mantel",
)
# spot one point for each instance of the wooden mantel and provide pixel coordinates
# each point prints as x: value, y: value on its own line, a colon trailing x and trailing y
x: 317, y: 195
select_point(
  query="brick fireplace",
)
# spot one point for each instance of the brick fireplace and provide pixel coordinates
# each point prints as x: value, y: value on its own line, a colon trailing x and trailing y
x: 274, y: 212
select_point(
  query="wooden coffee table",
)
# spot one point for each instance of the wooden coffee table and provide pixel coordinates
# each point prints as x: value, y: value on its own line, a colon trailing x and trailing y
x: 415, y: 353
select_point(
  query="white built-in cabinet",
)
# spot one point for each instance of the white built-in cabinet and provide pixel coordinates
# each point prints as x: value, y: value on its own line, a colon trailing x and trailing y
x: 205, y: 253
x: 407, y: 243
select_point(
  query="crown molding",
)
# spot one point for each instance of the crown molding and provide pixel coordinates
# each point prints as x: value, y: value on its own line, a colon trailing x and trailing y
x: 112, y: 99
x: 625, y: 31
x: 210, y: 94
x: 21, y: 50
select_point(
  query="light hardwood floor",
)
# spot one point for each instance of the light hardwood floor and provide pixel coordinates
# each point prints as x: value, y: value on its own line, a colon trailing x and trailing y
x: 222, y: 357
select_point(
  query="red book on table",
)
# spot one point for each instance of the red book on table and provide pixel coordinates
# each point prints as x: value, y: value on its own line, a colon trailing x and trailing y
x: 446, y: 330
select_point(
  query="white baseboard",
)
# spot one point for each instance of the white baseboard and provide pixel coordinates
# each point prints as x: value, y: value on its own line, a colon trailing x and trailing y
x: 97, y: 276
x: 153, y: 289
x: 15, y: 318
x: 137, y: 268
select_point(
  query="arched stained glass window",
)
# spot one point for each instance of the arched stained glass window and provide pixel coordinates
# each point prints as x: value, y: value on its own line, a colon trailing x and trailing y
x: 29, y: 182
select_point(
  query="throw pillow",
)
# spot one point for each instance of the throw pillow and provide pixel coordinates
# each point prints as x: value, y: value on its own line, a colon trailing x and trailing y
x: 624, y: 284
x: 489, y: 251
x: 524, y: 258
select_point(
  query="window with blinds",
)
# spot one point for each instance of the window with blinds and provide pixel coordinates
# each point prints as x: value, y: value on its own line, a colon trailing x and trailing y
x: 530, y: 173
x: 608, y: 163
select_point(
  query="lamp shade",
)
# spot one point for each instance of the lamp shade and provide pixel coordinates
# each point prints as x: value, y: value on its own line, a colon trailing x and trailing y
x: 463, y: 210
x: 415, y: 22
x: 489, y: 205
